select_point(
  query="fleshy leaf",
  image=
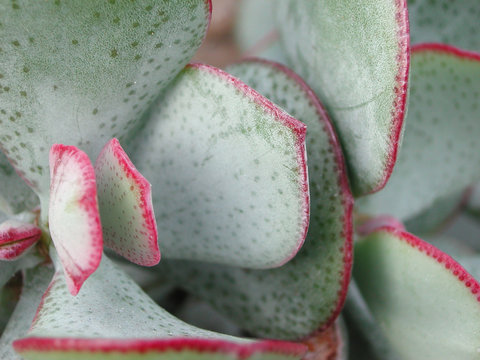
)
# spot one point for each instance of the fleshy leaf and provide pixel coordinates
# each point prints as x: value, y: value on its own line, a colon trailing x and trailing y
x: 427, y: 305
x: 330, y: 344
x: 74, y: 218
x: 307, y: 293
x: 355, y: 55
x: 35, y: 282
x: 16, y: 238
x: 15, y: 195
x: 231, y: 172
x: 80, y: 73
x: 440, y: 154
x: 255, y: 30
x: 98, y: 324
x: 126, y: 210
x: 445, y: 21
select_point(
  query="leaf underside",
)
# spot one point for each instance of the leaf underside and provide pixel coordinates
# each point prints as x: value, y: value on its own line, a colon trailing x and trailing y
x: 113, y: 318
x: 418, y: 295
x: 73, y: 214
x: 307, y: 293
x: 355, y: 55
x: 80, y: 73
x: 126, y: 210
x: 439, y: 156
x: 232, y: 172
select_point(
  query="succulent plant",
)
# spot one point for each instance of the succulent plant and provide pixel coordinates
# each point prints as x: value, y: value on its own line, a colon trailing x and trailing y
x: 238, y: 185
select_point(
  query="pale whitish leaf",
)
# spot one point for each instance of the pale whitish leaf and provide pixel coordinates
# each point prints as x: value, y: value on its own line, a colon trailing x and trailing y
x: 228, y: 170
x: 453, y: 22
x: 355, y: 55
x: 308, y: 292
x: 440, y: 153
x: 82, y: 72
x: 426, y: 304
x: 113, y: 318
x: 126, y: 210
x: 16, y: 237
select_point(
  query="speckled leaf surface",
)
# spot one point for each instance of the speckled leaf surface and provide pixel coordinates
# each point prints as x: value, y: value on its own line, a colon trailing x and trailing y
x: 35, y: 282
x: 355, y: 55
x: 82, y: 72
x: 15, y: 195
x: 453, y: 22
x: 308, y: 292
x: 9, y: 268
x: 112, y: 316
x: 126, y: 210
x: 74, y: 218
x: 255, y: 30
x: 17, y: 237
x: 231, y: 172
x: 427, y: 305
x: 440, y: 153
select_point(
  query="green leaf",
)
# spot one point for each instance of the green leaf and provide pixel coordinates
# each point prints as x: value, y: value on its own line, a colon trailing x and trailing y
x: 440, y: 154
x: 35, y: 283
x: 255, y: 30
x: 228, y: 172
x: 80, y: 73
x: 308, y: 292
x: 126, y: 210
x: 355, y: 55
x: 445, y: 21
x: 426, y: 304
x: 15, y: 195
x: 9, y: 268
x: 113, y: 318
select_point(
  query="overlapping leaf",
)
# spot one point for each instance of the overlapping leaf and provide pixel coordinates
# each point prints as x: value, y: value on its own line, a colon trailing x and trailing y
x: 355, y: 55
x: 308, y: 292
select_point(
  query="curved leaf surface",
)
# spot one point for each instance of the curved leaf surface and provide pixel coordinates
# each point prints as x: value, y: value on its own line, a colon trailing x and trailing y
x: 228, y: 172
x: 307, y: 293
x: 80, y: 73
x: 427, y: 305
x: 355, y: 55
x: 126, y: 210
x: 113, y: 318
x: 440, y: 153
x: 16, y: 238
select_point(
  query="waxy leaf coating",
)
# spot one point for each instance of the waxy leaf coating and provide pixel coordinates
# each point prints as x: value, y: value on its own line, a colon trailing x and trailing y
x: 74, y: 219
x: 308, y: 292
x: 427, y: 305
x: 126, y: 209
x: 17, y: 237
x: 231, y: 172
x: 440, y: 154
x: 355, y: 55
x: 82, y: 72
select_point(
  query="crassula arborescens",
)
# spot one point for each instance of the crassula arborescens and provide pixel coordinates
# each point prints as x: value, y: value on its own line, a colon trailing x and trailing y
x: 238, y: 185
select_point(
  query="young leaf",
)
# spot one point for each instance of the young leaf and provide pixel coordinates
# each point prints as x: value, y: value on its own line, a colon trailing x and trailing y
x: 355, y: 55
x: 15, y: 195
x: 427, y: 305
x: 445, y: 21
x: 35, y: 282
x: 16, y: 238
x: 231, y: 171
x: 80, y: 73
x: 440, y: 154
x: 73, y: 214
x: 112, y: 317
x: 307, y: 293
x: 126, y: 210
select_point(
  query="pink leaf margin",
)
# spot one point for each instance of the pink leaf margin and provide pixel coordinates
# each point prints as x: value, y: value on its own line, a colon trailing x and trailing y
x: 400, y: 90
x: 143, y: 346
x: 15, y: 240
x: 145, y: 201
x: 446, y: 50
x: 298, y: 128
x: 342, y: 179
x: 89, y: 204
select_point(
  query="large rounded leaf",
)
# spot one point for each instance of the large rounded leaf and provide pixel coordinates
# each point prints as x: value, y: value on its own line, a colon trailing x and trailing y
x: 355, y: 55
x: 82, y: 72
